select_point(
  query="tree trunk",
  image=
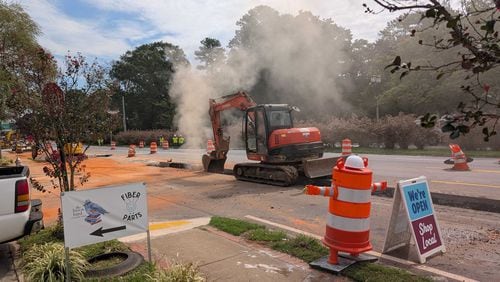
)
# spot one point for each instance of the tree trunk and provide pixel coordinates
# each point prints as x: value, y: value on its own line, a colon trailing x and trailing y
x: 64, y: 172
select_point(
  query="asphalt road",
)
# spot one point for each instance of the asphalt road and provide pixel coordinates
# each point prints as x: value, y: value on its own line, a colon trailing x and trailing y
x: 472, y: 238
x: 482, y: 181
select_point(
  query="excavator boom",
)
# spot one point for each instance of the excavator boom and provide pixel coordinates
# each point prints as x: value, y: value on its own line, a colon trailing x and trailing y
x: 214, y: 161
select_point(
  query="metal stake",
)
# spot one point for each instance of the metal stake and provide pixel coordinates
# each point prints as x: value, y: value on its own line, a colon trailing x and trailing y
x: 149, y: 247
x: 68, y: 271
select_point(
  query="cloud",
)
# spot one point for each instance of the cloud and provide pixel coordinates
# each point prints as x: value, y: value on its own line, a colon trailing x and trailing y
x: 193, y: 20
x: 120, y: 25
x: 61, y: 33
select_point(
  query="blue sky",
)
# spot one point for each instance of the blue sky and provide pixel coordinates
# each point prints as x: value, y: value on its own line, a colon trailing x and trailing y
x: 107, y: 28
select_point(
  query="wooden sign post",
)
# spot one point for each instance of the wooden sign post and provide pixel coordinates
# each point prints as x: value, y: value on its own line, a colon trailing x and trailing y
x: 413, y: 217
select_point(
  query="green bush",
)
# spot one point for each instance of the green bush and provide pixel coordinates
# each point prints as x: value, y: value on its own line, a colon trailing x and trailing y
x: 46, y: 262
x: 44, y: 236
x: 134, y: 136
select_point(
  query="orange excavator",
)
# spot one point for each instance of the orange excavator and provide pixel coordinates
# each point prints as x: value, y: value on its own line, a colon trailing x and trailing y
x: 283, y: 152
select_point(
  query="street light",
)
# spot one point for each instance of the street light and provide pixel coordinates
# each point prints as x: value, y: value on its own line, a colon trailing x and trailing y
x: 376, y: 79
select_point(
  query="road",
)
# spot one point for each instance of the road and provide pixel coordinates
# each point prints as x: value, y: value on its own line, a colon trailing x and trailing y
x: 472, y: 238
x: 482, y: 181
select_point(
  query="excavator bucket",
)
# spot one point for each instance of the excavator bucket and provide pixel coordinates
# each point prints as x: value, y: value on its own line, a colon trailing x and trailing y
x: 319, y: 167
x: 211, y: 164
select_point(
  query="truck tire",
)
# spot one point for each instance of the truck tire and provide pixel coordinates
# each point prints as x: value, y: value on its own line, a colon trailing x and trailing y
x: 130, y: 262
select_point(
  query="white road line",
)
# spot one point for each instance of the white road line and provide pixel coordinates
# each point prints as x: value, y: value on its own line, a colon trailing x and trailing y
x: 373, y: 253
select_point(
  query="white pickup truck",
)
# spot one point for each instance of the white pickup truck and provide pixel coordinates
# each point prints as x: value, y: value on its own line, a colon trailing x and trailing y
x: 19, y: 215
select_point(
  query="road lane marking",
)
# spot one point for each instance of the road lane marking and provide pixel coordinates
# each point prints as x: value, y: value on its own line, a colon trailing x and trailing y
x: 373, y: 253
x: 472, y: 170
x: 465, y: 183
x: 158, y: 229
x: 167, y: 224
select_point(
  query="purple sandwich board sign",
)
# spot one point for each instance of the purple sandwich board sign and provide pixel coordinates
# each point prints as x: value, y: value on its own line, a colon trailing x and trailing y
x: 413, y: 217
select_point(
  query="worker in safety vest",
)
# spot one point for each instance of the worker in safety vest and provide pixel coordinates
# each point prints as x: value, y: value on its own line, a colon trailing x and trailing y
x: 175, y: 140
x: 181, y: 140
x: 161, y: 140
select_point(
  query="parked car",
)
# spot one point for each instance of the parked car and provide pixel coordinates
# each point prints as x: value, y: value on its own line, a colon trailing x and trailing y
x: 19, y: 214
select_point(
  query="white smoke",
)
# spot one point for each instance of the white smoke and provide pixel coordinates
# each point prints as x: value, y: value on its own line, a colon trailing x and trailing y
x: 303, y: 59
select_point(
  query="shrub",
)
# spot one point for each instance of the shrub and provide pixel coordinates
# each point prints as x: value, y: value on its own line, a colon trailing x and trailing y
x: 46, y: 262
x: 178, y: 272
x: 134, y: 136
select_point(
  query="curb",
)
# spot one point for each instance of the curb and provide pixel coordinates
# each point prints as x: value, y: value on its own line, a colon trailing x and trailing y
x: 458, y: 201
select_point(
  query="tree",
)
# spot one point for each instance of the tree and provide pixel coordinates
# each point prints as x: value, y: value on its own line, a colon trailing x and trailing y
x: 299, y: 60
x: 472, y: 33
x: 24, y: 66
x: 73, y: 110
x: 210, y: 54
x: 144, y: 77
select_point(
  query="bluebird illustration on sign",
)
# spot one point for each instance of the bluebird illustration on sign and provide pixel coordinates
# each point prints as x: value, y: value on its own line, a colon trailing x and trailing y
x: 94, y: 212
x: 417, y: 200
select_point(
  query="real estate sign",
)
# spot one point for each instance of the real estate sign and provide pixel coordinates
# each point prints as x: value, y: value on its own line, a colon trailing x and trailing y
x: 98, y: 215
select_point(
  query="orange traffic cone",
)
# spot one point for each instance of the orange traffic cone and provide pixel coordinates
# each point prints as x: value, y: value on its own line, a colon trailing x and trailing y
x: 164, y: 145
x: 113, y: 145
x: 131, y: 151
x: 210, y: 146
x: 346, y: 147
x: 141, y: 144
x: 459, y: 158
x: 153, y: 148
x: 348, y: 222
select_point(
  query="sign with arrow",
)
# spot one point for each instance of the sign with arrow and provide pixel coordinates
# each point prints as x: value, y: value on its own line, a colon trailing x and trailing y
x: 98, y: 215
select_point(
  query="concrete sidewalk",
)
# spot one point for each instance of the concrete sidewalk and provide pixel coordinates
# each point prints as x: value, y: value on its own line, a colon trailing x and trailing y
x: 7, y: 271
x: 223, y: 257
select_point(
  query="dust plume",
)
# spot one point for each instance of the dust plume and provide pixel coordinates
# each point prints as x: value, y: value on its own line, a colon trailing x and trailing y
x: 299, y: 60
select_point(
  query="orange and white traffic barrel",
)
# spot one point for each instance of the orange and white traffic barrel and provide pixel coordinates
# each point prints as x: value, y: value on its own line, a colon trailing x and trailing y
x: 141, y: 144
x: 210, y: 146
x: 113, y: 145
x: 346, y: 147
x: 164, y: 145
x: 131, y: 151
x: 459, y: 158
x: 348, y: 221
x: 153, y: 147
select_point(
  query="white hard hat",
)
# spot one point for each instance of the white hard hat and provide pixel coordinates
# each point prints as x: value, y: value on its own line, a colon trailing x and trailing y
x: 354, y: 161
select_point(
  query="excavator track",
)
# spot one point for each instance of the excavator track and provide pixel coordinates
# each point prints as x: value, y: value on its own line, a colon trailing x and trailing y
x: 278, y: 175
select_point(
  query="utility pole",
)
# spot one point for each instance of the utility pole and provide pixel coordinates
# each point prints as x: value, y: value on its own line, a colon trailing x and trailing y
x: 124, y: 118
x: 376, y: 79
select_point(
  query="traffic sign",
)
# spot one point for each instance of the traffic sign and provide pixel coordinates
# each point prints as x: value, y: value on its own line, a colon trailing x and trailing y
x: 413, y: 217
x: 98, y: 215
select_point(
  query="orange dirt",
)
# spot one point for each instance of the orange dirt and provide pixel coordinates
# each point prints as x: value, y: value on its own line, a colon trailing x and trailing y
x: 103, y: 172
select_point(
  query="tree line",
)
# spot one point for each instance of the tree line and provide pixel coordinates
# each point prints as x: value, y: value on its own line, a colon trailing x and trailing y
x: 302, y: 60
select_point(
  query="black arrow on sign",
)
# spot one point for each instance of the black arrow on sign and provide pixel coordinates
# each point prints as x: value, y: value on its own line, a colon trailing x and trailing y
x: 101, y: 231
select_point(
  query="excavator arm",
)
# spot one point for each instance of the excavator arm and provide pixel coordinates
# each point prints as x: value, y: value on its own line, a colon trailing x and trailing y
x: 214, y: 161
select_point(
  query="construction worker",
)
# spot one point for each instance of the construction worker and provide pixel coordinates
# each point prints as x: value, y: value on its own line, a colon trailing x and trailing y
x: 175, y: 140
x: 181, y: 140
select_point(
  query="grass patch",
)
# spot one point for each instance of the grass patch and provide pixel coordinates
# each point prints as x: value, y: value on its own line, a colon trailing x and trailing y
x: 233, y: 226
x: 437, y: 152
x: 309, y: 249
x: 112, y: 261
x: 264, y: 235
x: 142, y: 273
x: 305, y: 248
x: 377, y: 272
x: 101, y: 248
x: 47, y: 235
